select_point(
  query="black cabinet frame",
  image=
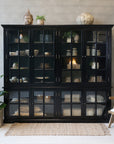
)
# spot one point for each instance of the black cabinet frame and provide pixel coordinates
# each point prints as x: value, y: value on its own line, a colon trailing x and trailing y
x: 58, y: 86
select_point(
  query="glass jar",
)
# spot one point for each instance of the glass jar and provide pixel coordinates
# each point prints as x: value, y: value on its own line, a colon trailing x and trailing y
x: 68, y: 53
x: 88, y: 51
x: 74, y: 52
x: 98, y: 52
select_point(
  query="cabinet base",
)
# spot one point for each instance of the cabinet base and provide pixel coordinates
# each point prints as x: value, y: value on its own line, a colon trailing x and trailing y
x: 60, y: 120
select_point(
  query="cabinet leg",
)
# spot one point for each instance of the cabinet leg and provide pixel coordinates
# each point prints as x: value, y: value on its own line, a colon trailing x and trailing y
x: 111, y: 120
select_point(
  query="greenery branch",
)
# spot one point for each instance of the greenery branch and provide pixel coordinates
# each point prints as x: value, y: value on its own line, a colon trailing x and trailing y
x: 40, y: 18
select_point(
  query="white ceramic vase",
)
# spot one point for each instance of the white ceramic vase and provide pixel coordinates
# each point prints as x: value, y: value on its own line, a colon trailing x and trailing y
x: 40, y: 22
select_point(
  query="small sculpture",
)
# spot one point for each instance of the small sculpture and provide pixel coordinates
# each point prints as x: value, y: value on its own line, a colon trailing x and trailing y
x: 28, y: 18
x: 85, y: 18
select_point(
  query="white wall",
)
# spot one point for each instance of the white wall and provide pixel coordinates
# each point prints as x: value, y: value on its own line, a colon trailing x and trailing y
x: 56, y: 12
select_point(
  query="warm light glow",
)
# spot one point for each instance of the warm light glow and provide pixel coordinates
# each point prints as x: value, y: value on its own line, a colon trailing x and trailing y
x: 73, y: 61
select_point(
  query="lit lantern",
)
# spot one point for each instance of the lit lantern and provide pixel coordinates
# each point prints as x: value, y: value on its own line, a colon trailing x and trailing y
x: 74, y: 65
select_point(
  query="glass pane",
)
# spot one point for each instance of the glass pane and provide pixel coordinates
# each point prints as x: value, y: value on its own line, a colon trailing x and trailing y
x: 101, y: 96
x: 101, y: 36
x: 13, y: 110
x: 23, y: 50
x: 90, y: 96
x: 76, y: 63
x: 38, y: 76
x: 91, y: 77
x: 24, y: 36
x: 24, y: 97
x: 49, y: 76
x: 66, y: 97
x: 14, y: 70
x: 66, y: 36
x: 24, y: 110
x: 49, y: 110
x: 66, y: 63
x: 13, y: 50
x: 49, y: 97
x: 48, y: 37
x: 101, y: 49
x: 37, y: 36
x: 49, y: 50
x: 91, y: 50
x: 91, y: 36
x: 13, y: 36
x: 38, y: 110
x: 38, y: 96
x: 76, y: 110
x: 38, y: 63
x: 91, y: 66
x: 66, y: 50
x: 76, y: 36
x: 24, y: 70
x: 76, y: 96
x: 101, y: 77
x: 66, y: 110
x: 13, y: 96
x: 76, y: 76
x: 100, y: 110
x: 66, y: 76
x: 90, y: 110
x: 101, y: 63
x: 49, y: 63
x: 76, y: 50
x: 24, y: 76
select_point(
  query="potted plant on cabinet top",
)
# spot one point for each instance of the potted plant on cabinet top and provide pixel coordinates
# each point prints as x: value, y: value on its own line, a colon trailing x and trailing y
x: 2, y: 105
x: 40, y: 20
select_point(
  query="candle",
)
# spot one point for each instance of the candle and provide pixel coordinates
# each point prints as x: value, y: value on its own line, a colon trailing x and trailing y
x: 74, y: 64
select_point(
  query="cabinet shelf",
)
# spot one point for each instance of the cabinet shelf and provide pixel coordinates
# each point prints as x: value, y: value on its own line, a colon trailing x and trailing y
x: 72, y: 69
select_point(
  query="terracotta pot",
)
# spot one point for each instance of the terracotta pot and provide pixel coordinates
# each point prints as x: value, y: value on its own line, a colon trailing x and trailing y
x: 40, y: 22
x: 1, y: 117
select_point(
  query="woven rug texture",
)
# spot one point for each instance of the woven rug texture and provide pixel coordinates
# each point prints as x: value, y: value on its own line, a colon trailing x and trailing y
x: 57, y: 129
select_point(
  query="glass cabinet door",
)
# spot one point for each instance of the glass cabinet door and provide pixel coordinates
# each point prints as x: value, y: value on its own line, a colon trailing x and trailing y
x: 96, y: 45
x: 19, y: 103
x: 71, y: 56
x: 95, y: 103
x: 43, y: 51
x: 18, y: 47
x: 44, y: 103
x: 71, y: 103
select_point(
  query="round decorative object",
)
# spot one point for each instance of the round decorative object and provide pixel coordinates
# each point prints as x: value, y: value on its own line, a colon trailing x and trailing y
x: 85, y: 18
x: 28, y: 18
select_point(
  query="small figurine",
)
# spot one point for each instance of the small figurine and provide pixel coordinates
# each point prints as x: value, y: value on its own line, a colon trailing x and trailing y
x: 28, y: 18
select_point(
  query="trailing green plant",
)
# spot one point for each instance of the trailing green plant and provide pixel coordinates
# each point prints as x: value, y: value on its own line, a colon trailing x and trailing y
x: 2, y: 92
x: 40, y: 18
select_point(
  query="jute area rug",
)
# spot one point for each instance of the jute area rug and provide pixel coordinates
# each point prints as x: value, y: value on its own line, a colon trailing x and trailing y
x: 58, y: 129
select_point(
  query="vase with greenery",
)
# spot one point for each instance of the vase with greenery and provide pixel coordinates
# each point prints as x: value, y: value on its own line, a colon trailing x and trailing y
x: 2, y: 105
x: 40, y: 20
x: 67, y: 36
